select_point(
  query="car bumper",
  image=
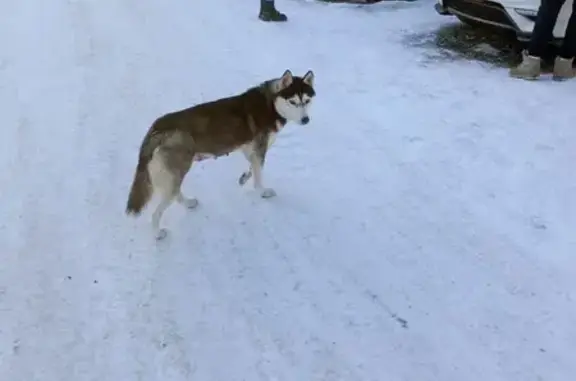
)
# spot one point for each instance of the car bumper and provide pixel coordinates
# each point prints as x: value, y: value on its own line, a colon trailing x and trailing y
x: 485, y: 12
x: 509, y: 17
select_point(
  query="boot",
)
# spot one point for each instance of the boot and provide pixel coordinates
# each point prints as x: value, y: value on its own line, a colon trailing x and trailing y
x: 528, y: 69
x: 268, y: 12
x: 563, y: 69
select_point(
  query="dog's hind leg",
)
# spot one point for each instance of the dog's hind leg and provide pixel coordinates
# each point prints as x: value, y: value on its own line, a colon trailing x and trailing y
x: 168, y: 168
x: 160, y: 233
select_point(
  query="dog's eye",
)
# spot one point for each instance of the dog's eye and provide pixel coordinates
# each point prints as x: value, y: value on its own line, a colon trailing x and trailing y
x: 293, y: 102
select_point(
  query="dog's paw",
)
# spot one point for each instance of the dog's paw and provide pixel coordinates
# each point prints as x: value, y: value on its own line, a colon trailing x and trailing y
x: 244, y: 178
x: 190, y: 203
x: 267, y: 193
x: 161, y: 234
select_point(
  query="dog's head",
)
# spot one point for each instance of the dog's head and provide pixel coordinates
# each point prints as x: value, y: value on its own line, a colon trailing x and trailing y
x: 294, y: 96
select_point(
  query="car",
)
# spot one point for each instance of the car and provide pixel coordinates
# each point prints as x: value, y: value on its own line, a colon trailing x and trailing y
x: 514, y: 15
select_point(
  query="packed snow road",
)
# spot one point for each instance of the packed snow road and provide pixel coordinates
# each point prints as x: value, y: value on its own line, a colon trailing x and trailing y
x: 423, y: 228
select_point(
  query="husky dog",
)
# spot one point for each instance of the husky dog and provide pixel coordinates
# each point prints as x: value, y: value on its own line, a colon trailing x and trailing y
x: 246, y: 122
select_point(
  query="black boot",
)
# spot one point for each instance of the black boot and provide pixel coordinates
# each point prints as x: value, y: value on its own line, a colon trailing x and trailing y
x: 268, y: 12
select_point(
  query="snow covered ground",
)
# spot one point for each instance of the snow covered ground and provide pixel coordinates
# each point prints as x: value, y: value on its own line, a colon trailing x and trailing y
x: 424, y: 229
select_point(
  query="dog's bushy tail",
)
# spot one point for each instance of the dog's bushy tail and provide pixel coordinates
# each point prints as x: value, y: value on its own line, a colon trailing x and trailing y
x: 141, y: 190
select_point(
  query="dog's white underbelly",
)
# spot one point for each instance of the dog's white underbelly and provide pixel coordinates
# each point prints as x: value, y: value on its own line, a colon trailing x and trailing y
x: 245, y: 148
x: 203, y: 156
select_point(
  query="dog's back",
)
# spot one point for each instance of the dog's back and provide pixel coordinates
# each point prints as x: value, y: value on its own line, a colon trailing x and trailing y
x: 221, y: 126
x: 209, y: 129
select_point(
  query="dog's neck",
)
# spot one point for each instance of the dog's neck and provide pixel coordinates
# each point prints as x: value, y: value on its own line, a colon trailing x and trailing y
x: 280, y: 122
x: 267, y: 88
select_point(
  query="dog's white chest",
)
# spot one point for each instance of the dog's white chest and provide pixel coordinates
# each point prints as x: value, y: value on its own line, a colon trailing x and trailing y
x: 271, y: 138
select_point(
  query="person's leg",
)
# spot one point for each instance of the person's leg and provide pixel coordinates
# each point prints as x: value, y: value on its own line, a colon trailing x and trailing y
x: 541, y: 37
x: 563, y: 65
x: 268, y: 12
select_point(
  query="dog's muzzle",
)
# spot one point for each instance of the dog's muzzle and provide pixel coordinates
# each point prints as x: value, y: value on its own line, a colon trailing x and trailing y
x: 305, y: 120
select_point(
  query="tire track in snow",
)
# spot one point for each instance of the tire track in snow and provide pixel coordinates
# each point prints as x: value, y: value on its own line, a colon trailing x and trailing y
x: 111, y: 92
x: 420, y: 224
x: 37, y: 294
x: 272, y: 296
x: 212, y: 319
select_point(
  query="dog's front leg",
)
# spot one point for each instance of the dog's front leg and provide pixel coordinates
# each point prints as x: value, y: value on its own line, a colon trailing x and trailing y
x: 257, y: 159
x: 245, y: 176
x: 247, y: 151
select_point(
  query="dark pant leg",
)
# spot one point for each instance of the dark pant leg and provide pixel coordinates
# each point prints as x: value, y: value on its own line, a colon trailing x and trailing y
x: 544, y: 26
x: 568, y: 49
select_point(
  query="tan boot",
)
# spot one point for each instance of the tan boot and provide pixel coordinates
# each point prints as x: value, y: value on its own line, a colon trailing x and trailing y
x: 528, y: 69
x: 563, y: 69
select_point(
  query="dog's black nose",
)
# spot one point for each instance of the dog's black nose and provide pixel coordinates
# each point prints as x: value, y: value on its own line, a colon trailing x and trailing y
x: 305, y: 120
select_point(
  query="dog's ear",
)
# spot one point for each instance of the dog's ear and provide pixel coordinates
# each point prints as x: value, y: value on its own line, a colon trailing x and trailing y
x: 309, y: 78
x: 286, y: 79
